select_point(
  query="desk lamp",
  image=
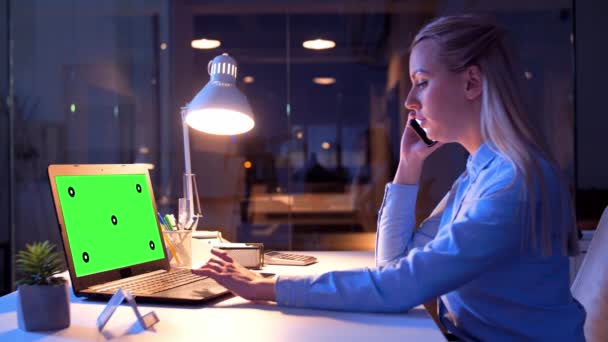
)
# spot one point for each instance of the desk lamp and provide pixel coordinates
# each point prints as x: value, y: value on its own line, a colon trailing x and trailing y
x: 219, y: 108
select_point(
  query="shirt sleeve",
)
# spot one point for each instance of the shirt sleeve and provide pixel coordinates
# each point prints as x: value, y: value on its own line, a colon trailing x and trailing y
x: 485, y: 234
x: 396, y: 219
x: 396, y: 236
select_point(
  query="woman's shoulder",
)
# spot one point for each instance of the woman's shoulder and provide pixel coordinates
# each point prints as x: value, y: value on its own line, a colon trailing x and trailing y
x: 503, y: 173
x: 500, y: 178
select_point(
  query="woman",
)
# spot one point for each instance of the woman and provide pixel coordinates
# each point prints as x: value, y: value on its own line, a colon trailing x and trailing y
x: 495, y: 250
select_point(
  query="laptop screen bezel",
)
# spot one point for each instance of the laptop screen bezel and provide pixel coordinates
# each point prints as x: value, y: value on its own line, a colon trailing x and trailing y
x: 83, y: 282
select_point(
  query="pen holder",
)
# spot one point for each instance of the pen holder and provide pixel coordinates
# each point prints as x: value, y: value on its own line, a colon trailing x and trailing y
x: 179, y: 248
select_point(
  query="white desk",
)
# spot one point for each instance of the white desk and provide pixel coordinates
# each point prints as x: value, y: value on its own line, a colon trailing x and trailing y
x: 236, y: 319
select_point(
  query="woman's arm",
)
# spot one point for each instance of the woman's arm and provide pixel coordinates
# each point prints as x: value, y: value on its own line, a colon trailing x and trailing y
x: 394, y: 240
x: 396, y: 235
x: 486, y: 235
x: 396, y: 217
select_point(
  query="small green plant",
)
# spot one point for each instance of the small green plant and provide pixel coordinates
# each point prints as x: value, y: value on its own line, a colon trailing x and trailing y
x: 38, y: 264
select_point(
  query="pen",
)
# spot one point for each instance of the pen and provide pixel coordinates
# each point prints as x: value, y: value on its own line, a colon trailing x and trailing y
x: 167, y: 240
x: 162, y: 221
x: 168, y: 222
x: 171, y: 248
x: 173, y: 221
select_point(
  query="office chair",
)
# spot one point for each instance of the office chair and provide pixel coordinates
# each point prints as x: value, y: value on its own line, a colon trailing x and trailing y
x: 590, y: 287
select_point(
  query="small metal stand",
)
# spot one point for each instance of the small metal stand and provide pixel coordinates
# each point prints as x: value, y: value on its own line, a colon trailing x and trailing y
x: 146, y: 321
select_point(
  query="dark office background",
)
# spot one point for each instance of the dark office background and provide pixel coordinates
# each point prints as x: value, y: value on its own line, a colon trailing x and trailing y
x: 84, y: 81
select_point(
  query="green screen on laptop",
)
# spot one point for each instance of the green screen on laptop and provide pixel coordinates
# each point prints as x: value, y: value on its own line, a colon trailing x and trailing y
x: 109, y: 220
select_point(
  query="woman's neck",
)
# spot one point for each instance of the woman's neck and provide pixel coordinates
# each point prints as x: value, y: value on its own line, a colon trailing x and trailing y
x: 472, y: 142
x: 471, y: 137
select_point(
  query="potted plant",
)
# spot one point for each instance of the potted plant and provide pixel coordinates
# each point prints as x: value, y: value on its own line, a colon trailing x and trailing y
x: 43, y: 296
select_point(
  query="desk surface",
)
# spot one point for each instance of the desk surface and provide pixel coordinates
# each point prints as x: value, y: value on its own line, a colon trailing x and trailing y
x: 236, y: 319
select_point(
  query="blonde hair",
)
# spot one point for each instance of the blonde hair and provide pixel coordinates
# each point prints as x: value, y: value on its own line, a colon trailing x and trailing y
x: 467, y: 40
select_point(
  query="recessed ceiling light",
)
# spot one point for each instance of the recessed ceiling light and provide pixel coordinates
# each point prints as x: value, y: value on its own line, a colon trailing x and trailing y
x: 325, y: 145
x: 319, y: 44
x: 324, y: 80
x: 248, y: 79
x: 144, y: 150
x: 205, y: 44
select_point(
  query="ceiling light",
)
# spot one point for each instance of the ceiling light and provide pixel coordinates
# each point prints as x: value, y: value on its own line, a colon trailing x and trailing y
x: 144, y: 150
x: 248, y: 79
x: 319, y: 44
x: 205, y: 44
x: 324, y: 80
x: 325, y: 145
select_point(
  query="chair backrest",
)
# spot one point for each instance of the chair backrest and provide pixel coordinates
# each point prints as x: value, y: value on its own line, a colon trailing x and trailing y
x: 590, y: 287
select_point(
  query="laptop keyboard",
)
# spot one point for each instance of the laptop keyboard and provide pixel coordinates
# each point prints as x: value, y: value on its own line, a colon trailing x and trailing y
x: 155, y: 283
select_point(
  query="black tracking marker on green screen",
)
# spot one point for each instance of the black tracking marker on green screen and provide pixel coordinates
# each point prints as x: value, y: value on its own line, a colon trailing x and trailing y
x: 108, y: 213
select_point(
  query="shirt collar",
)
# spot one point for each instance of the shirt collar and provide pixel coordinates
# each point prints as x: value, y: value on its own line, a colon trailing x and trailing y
x: 478, y: 161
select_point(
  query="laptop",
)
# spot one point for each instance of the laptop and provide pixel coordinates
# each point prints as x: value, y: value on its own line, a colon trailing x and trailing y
x: 112, y: 237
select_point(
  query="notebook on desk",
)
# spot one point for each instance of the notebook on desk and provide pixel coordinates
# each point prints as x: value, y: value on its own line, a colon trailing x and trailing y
x: 112, y: 238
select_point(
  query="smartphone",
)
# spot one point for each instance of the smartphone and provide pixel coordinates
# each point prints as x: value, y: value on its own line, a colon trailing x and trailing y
x: 421, y: 133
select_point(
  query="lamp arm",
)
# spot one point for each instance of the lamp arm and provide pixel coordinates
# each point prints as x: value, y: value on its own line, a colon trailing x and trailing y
x: 187, y: 160
x: 190, y: 187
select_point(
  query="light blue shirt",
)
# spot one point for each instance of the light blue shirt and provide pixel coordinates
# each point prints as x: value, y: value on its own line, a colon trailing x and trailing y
x: 469, y: 253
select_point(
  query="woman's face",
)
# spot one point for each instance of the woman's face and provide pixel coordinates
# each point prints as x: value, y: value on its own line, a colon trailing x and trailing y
x: 441, y: 99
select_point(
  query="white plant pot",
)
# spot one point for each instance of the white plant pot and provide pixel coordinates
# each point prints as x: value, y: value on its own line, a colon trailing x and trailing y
x: 43, y: 307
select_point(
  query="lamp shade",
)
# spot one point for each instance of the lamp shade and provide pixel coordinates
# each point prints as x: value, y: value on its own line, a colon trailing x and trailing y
x: 220, y: 108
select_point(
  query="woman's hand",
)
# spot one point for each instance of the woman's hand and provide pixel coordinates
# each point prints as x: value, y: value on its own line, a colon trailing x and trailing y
x: 236, y: 278
x: 413, y: 149
x: 412, y: 155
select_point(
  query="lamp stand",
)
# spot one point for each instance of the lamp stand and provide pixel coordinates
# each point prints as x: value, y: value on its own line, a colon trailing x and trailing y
x: 187, y: 217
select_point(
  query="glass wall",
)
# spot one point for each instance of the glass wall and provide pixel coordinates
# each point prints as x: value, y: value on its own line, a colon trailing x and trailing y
x: 5, y: 148
x: 103, y: 82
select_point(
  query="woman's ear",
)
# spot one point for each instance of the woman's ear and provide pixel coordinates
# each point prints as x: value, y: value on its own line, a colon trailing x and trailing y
x: 473, y: 82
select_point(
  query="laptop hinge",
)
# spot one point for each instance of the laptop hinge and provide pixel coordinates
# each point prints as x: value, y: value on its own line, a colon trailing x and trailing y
x: 101, y: 287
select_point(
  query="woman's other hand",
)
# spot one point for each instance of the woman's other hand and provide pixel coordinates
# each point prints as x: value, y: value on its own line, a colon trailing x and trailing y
x: 236, y: 278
